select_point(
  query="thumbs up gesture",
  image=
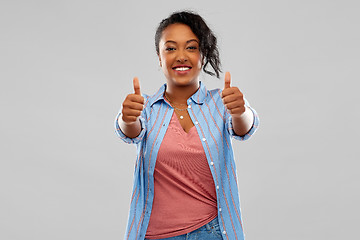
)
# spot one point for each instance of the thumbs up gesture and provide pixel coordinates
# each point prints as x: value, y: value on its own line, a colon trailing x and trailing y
x: 133, y: 104
x: 232, y: 98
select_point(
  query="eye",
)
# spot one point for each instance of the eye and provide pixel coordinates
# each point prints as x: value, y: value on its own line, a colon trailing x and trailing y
x: 169, y: 49
x: 192, y: 47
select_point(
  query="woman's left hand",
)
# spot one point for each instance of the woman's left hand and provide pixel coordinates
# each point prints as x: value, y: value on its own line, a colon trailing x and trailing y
x: 233, y: 98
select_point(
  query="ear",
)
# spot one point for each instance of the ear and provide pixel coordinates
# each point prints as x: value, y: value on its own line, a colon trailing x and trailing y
x: 160, y: 60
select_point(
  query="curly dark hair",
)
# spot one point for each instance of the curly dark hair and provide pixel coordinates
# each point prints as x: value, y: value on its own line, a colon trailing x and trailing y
x: 207, y: 40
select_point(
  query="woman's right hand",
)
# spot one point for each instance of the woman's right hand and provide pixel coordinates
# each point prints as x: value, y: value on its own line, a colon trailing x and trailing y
x: 131, y: 110
x: 133, y: 104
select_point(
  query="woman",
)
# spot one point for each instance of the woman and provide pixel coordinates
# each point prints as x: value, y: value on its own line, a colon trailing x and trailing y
x: 185, y: 184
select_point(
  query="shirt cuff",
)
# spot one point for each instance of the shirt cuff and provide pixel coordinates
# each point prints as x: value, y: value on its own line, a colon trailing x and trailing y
x: 252, y: 130
x: 125, y: 138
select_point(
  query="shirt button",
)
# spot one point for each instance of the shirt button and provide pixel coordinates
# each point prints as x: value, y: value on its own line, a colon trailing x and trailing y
x: 212, y: 163
x: 196, y: 123
x: 204, y: 139
x: 189, y: 106
x: 219, y: 209
x: 224, y: 232
x: 217, y: 187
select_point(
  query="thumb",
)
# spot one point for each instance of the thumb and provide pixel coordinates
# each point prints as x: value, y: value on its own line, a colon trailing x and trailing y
x: 227, y: 80
x: 136, y: 86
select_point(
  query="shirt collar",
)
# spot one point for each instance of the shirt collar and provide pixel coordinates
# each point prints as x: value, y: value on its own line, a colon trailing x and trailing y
x: 198, y: 97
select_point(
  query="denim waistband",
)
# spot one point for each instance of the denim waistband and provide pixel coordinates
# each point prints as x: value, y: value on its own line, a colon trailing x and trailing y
x: 212, y: 224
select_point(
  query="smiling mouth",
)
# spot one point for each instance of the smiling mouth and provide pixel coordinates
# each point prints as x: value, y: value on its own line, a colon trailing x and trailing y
x: 182, y: 69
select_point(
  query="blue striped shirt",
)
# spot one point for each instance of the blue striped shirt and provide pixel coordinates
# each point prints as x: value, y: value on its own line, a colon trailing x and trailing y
x: 214, y: 126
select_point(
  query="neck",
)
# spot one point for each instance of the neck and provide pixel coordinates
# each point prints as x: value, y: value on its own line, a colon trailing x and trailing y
x: 179, y: 94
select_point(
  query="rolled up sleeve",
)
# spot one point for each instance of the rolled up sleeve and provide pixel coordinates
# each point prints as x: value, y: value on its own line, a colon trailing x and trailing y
x: 125, y: 138
x: 252, y: 130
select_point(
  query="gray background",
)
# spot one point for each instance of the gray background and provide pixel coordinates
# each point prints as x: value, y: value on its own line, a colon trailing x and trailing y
x: 66, y: 67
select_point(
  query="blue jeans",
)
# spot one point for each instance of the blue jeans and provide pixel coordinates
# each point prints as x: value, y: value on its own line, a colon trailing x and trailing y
x: 210, y: 231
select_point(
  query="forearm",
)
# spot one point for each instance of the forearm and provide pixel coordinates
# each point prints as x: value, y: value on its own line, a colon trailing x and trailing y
x: 131, y: 130
x: 243, y: 123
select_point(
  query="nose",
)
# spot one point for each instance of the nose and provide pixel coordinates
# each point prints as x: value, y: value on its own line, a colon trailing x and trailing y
x: 181, y: 56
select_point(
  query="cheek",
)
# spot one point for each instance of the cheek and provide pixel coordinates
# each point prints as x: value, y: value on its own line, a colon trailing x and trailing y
x: 199, y: 61
x: 165, y: 64
x: 166, y: 60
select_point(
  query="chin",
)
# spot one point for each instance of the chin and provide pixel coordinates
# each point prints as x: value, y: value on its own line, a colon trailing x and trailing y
x: 185, y: 81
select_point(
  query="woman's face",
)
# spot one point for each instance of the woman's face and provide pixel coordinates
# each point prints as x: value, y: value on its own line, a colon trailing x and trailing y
x: 179, y: 55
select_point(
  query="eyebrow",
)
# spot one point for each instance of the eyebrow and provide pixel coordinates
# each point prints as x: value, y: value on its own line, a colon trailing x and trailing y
x: 191, y: 40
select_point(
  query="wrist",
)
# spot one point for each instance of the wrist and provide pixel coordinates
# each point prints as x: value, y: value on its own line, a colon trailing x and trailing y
x: 127, y: 123
x: 240, y: 115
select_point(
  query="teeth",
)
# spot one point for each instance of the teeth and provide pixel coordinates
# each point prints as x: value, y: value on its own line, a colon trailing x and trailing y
x: 182, y: 68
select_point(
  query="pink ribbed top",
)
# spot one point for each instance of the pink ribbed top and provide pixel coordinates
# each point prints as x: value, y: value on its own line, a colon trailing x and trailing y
x: 184, y: 190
